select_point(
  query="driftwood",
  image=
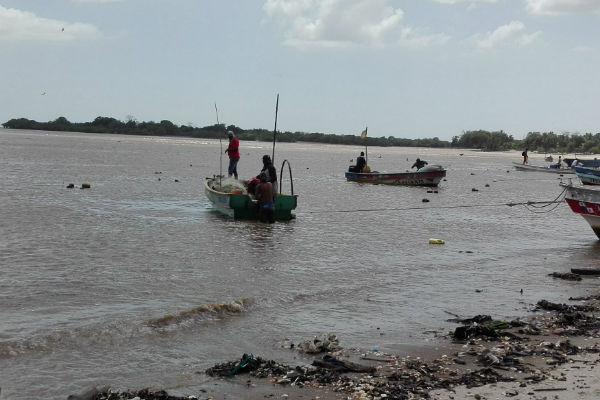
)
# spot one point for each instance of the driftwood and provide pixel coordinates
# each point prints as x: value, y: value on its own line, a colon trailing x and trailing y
x: 335, y: 364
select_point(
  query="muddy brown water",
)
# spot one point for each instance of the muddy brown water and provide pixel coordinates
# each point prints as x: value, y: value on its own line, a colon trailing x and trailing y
x: 85, y: 274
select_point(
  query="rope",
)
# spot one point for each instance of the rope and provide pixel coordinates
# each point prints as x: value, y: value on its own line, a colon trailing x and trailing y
x: 529, y: 205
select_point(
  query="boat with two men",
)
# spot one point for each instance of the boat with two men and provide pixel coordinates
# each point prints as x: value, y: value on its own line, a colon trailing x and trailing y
x: 429, y: 175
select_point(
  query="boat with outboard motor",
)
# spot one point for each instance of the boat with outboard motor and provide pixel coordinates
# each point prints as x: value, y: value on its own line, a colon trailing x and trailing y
x: 430, y: 175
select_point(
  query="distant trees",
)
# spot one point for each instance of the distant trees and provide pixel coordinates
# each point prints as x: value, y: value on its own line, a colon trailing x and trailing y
x: 548, y: 142
x: 484, y: 140
x: 167, y: 128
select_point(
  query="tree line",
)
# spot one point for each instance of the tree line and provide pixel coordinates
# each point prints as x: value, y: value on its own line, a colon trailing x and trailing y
x: 480, y: 139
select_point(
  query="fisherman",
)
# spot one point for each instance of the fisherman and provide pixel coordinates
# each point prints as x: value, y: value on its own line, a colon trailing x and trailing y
x: 264, y: 195
x: 419, y: 164
x: 525, y: 156
x: 559, y: 163
x: 269, y: 169
x: 234, y: 154
x: 360, y: 163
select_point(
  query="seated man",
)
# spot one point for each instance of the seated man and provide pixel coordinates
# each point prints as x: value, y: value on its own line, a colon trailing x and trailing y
x: 360, y: 163
x: 264, y: 195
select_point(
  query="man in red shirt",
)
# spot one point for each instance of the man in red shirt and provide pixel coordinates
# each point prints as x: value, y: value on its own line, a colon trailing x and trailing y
x: 234, y: 154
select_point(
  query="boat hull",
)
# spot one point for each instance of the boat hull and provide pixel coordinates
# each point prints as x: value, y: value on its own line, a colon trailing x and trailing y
x: 533, y: 168
x: 243, y: 206
x: 585, y: 202
x: 588, y: 176
x: 419, y: 178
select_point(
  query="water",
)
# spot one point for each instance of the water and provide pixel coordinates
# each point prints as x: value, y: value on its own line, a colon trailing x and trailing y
x: 84, y: 273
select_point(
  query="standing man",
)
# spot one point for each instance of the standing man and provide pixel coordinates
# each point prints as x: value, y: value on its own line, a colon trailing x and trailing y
x: 234, y: 154
x: 525, y: 156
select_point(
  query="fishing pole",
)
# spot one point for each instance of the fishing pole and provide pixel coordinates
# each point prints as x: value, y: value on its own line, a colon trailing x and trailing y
x: 275, y: 130
x: 220, y: 147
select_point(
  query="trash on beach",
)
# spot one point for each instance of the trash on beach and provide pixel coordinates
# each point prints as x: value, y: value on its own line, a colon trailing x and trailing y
x: 319, y: 344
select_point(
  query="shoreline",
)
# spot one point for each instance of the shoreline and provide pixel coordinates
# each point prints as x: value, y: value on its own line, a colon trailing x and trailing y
x: 552, y: 353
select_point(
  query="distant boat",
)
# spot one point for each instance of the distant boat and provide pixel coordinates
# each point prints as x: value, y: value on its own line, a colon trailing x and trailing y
x: 587, y: 175
x: 235, y: 201
x: 585, y: 201
x: 551, y: 169
x: 430, y: 175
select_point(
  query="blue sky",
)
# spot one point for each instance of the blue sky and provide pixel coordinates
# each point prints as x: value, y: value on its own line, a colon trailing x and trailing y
x: 404, y: 68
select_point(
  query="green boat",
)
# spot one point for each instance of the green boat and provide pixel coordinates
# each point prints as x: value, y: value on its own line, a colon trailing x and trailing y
x: 230, y: 197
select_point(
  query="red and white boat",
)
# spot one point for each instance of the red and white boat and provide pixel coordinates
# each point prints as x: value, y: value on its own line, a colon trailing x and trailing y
x: 585, y: 201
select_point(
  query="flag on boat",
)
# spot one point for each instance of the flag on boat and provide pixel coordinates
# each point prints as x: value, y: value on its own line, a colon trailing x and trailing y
x: 363, y: 134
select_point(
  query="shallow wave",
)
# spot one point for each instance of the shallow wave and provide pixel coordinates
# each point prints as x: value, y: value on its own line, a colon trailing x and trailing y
x: 237, y: 306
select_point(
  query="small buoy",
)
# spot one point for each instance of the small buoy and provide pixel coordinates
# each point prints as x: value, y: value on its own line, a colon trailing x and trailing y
x: 70, y: 186
x: 176, y: 180
x: 85, y: 186
x: 436, y: 241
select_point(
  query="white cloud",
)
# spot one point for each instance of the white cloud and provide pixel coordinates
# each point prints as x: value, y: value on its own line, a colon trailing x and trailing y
x: 527, y: 39
x: 17, y: 25
x: 345, y: 23
x: 500, y: 34
x: 562, y: 7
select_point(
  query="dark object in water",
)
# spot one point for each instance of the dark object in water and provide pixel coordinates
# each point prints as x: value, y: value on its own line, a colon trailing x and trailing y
x: 566, y: 276
x: 70, y: 186
x: 586, y: 271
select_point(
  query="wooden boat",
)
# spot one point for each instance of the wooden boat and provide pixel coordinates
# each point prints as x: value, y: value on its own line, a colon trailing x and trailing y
x: 430, y: 175
x: 584, y: 201
x: 588, y: 176
x: 529, y: 167
x: 235, y: 201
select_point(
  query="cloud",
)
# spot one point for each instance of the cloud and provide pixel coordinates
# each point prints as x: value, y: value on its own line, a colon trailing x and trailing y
x: 97, y: 1
x: 562, y: 7
x: 345, y: 23
x: 20, y: 26
x: 470, y: 2
x: 527, y: 39
x: 500, y: 35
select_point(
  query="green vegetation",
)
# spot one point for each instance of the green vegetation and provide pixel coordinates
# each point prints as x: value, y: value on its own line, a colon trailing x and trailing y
x: 484, y: 140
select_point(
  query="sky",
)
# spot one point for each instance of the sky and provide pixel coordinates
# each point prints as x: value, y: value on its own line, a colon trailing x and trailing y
x: 402, y: 68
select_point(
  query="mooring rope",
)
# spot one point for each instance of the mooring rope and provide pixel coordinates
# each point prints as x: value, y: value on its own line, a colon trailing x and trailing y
x: 529, y: 205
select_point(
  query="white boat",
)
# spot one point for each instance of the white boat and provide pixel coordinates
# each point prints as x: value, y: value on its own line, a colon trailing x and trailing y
x: 534, y: 168
x: 585, y: 201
